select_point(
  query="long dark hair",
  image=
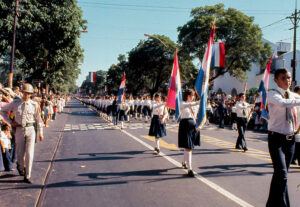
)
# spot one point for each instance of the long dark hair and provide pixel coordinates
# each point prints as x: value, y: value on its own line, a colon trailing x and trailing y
x: 187, y: 93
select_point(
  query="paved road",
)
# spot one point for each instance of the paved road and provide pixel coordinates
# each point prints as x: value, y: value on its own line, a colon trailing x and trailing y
x: 99, y: 165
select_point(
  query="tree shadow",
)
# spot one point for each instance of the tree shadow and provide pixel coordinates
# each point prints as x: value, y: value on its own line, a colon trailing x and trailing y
x: 235, y: 170
x: 88, y: 159
x: 115, y: 153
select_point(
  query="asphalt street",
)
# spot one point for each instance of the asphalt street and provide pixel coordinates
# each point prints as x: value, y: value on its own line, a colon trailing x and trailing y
x: 91, y: 163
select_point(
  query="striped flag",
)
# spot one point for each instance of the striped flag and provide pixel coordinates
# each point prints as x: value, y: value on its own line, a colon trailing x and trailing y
x: 121, y: 91
x: 218, y: 55
x: 105, y: 88
x: 92, y: 77
x: 174, y: 98
x: 263, y: 89
x: 201, y: 84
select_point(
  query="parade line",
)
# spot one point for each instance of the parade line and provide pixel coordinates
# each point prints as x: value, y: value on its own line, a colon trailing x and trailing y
x: 197, y: 176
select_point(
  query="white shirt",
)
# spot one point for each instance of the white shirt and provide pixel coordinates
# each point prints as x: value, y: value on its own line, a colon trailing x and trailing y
x: 160, y: 110
x: 31, y: 112
x: 242, y: 109
x: 189, y: 110
x: 5, y: 140
x: 277, y: 105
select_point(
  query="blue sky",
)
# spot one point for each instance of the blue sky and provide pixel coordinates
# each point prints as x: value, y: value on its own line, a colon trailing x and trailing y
x: 116, y: 26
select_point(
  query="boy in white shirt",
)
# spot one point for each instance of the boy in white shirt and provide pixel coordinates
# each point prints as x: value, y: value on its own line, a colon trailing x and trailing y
x: 5, y: 141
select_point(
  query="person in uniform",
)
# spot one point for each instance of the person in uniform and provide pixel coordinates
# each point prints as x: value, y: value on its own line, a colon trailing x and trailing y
x: 297, y: 146
x: 222, y: 109
x: 281, y: 135
x: 188, y: 135
x: 158, y: 121
x: 242, y: 111
x: 124, y: 109
x: 115, y: 111
x: 27, y: 114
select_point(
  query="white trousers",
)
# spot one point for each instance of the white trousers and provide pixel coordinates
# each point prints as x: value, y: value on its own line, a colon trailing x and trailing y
x: 25, y: 141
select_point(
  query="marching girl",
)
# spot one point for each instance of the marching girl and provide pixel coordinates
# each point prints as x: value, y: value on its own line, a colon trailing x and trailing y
x: 188, y: 136
x: 135, y: 107
x: 124, y: 109
x: 131, y: 107
x: 109, y: 106
x: 139, y: 107
x: 147, y: 108
x: 158, y: 125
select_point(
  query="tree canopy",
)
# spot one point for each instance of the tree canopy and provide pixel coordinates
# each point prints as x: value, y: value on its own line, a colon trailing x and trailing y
x: 47, y: 31
x: 243, y: 38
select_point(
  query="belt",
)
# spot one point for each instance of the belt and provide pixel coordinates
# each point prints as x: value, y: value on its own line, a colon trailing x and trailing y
x: 27, y: 125
x: 287, y: 137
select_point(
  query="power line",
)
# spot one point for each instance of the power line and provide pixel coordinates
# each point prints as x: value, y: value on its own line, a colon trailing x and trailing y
x: 263, y: 11
x: 274, y: 23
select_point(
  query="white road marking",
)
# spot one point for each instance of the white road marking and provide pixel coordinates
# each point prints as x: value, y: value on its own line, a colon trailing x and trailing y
x: 214, y: 186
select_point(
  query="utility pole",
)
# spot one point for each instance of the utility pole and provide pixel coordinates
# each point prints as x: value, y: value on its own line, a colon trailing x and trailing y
x: 295, y: 19
x: 10, y: 77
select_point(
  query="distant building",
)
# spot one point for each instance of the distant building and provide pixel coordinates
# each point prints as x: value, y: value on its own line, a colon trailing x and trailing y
x: 231, y: 85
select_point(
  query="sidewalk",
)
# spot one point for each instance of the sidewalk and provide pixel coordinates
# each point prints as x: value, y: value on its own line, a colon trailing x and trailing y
x: 13, y: 191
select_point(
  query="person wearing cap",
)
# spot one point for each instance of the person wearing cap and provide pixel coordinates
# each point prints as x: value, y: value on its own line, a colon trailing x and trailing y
x: 27, y: 115
x: 281, y: 135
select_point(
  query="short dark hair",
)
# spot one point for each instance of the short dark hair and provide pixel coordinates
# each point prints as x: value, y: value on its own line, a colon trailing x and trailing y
x: 5, y: 127
x: 280, y: 71
x: 186, y: 93
x: 241, y: 94
x: 157, y: 95
x: 297, y: 89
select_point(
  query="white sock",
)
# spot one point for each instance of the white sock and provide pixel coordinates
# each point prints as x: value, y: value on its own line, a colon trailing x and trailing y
x: 157, y: 143
x: 184, y: 156
x: 122, y: 125
x: 189, y: 158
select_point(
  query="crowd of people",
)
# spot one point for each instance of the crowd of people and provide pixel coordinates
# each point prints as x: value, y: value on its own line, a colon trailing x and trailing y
x: 282, y: 126
x: 23, y: 114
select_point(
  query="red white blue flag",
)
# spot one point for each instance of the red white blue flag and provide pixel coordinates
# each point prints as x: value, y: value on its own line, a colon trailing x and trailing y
x: 174, y: 98
x: 201, y: 84
x: 263, y: 89
x: 92, y: 77
x: 121, y: 91
x: 218, y: 55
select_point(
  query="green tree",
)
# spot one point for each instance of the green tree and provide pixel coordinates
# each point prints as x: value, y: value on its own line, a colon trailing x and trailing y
x: 150, y: 65
x: 47, y: 31
x: 243, y: 38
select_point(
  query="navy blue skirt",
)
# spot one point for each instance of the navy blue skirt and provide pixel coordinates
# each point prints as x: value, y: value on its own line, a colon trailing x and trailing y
x: 122, y: 115
x: 131, y: 110
x: 109, y: 110
x: 157, y: 128
x: 139, y: 109
x: 188, y: 136
x: 146, y: 111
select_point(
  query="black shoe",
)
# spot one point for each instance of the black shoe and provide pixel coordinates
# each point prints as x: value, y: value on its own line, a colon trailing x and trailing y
x: 157, y: 150
x: 191, y: 173
x: 27, y: 180
x: 21, y: 172
x: 238, y: 147
x: 245, y: 149
x: 184, y: 165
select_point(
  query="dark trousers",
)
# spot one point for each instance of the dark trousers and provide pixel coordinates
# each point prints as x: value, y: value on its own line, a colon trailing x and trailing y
x: 241, y: 126
x: 54, y: 115
x: 297, y: 153
x: 281, y: 152
x: 7, y: 161
x: 221, y: 121
x: 115, y: 120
